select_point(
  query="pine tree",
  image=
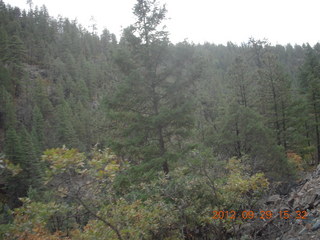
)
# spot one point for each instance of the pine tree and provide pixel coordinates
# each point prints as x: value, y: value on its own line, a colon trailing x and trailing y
x: 65, y: 130
x: 38, y: 129
x: 243, y: 134
x: 14, y: 151
x: 12, y: 146
x: 240, y: 82
x: 310, y: 87
x: 8, y: 110
x: 31, y: 164
x: 41, y: 98
x: 275, y: 96
x: 150, y: 107
x: 3, y: 44
x: 16, y: 51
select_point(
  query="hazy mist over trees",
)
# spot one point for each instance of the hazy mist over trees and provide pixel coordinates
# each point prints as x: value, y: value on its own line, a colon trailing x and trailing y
x: 139, y: 138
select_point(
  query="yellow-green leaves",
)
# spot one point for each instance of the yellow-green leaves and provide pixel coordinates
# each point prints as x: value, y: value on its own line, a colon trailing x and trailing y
x: 5, y: 164
x: 32, y: 218
x: 71, y: 175
x: 135, y: 220
x: 240, y: 186
x: 104, y: 163
x: 62, y: 159
x: 13, y: 168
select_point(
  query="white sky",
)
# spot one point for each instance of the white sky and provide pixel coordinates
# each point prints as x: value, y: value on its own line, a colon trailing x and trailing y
x: 198, y: 21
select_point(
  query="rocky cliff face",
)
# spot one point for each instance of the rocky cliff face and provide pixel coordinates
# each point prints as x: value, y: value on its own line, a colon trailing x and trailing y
x: 295, y: 216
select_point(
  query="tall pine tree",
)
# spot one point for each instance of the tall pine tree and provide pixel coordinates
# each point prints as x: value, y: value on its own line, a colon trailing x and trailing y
x: 310, y: 86
x: 150, y: 109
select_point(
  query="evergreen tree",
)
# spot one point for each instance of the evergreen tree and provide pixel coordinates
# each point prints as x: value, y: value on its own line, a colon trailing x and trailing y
x: 38, y: 129
x: 12, y: 147
x: 3, y: 44
x: 275, y: 96
x: 16, y: 51
x: 41, y: 98
x: 242, y: 134
x: 8, y: 109
x: 65, y: 130
x: 310, y: 86
x: 240, y: 82
x: 150, y: 105
x: 31, y: 165
x: 14, y: 150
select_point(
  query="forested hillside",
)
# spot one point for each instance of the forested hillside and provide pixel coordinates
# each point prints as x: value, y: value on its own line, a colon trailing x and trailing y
x: 139, y: 138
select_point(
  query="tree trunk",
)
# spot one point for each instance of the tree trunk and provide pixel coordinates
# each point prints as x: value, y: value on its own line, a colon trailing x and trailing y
x: 317, y: 126
x: 162, y: 149
x: 275, y: 109
x: 307, y: 133
x: 284, y: 126
x: 238, y: 143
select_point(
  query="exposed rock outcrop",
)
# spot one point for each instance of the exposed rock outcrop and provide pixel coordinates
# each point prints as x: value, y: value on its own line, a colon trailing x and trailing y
x: 296, y: 216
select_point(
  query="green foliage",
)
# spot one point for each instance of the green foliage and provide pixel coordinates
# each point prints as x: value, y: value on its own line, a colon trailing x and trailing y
x: 226, y: 119
x: 243, y: 133
x: 30, y: 220
x: 7, y: 165
x: 61, y: 160
x: 8, y: 109
x: 240, y: 189
x: 71, y: 182
x: 105, y: 163
x: 65, y: 129
x: 150, y: 106
x: 13, y: 148
x: 309, y: 81
x: 37, y: 133
x: 19, y: 149
x: 16, y: 51
x: 137, y: 220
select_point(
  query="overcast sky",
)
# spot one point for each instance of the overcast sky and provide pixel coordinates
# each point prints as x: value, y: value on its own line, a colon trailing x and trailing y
x: 198, y: 21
